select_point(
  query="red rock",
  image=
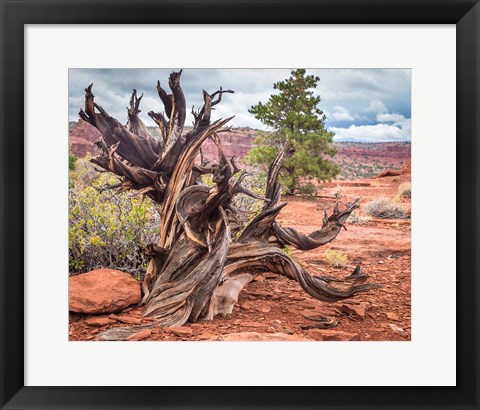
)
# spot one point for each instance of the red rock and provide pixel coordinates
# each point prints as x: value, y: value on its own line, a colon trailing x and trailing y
x: 396, y: 328
x: 206, y: 336
x: 98, y: 320
x: 265, y: 275
x: 255, y: 336
x: 102, y: 291
x: 260, y: 293
x: 82, y: 137
x: 297, y: 298
x: 246, y: 305
x: 391, y: 315
x: 320, y: 311
x: 145, y: 333
x: 355, y: 310
x: 253, y: 324
x: 182, y: 331
x: 332, y: 335
x: 127, y: 319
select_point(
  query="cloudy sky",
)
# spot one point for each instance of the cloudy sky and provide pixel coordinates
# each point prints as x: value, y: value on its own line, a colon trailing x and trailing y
x: 360, y: 104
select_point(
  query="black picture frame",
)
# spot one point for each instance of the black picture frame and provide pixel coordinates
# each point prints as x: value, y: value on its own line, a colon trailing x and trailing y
x: 15, y: 14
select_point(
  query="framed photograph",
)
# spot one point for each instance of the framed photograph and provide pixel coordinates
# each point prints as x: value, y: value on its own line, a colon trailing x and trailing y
x: 239, y: 205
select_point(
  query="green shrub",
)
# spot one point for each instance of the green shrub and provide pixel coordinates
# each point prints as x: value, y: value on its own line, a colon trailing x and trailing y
x: 336, y: 259
x: 108, y: 229
x: 72, y: 161
x: 309, y: 190
x: 288, y: 250
x: 385, y: 208
x: 405, y: 190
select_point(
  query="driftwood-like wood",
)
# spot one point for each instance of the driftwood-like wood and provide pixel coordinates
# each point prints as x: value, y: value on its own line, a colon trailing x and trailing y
x: 202, y: 261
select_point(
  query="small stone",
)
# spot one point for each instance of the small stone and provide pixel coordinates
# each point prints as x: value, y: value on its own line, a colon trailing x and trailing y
x: 140, y: 335
x: 128, y: 320
x: 396, y: 328
x: 260, y: 293
x: 182, y: 331
x: 245, y: 305
x: 320, y: 311
x: 297, y: 298
x: 253, y: 324
x: 206, y: 336
x: 355, y: 310
x: 332, y: 335
x: 98, y: 321
x: 392, y: 316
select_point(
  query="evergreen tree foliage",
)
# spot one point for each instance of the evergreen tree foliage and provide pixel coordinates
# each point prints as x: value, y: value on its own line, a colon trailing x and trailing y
x: 292, y: 114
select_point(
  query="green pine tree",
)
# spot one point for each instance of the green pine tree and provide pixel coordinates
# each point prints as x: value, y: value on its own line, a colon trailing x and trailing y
x: 293, y: 115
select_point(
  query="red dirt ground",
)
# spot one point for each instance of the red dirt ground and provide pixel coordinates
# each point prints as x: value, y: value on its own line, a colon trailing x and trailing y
x: 272, y: 304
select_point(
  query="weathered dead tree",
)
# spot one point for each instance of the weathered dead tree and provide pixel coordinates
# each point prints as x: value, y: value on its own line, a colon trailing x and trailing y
x: 205, y: 256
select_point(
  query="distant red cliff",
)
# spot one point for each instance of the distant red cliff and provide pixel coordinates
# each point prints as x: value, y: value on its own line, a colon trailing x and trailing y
x: 357, y: 159
x: 82, y: 137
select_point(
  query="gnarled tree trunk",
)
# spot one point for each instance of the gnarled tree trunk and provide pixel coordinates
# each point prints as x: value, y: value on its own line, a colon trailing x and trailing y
x: 199, y: 267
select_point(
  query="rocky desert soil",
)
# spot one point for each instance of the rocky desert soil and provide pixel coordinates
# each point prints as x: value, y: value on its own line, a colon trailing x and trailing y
x: 272, y: 307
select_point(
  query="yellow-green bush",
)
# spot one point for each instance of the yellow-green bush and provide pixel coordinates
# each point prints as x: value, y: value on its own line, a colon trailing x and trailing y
x: 385, y: 208
x: 336, y: 259
x: 405, y: 190
x: 107, y: 229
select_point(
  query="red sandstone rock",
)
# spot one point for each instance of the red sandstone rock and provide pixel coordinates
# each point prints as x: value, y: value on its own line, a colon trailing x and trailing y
x: 323, y: 311
x: 358, y: 311
x: 182, y: 331
x: 126, y: 319
x: 81, y: 139
x: 102, y: 291
x: 391, y: 315
x: 140, y: 335
x: 98, y: 321
x: 332, y: 335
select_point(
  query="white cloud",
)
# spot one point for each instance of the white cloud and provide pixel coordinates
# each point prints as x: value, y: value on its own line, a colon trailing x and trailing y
x: 341, y: 114
x: 371, y: 133
x: 377, y: 107
x: 391, y: 127
x: 393, y: 118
